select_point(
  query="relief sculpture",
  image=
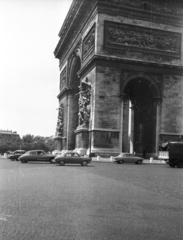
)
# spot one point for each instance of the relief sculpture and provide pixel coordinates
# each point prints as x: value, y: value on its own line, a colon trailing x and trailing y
x: 89, y: 43
x: 63, y: 79
x: 84, y: 104
x: 149, y: 40
x: 60, y: 121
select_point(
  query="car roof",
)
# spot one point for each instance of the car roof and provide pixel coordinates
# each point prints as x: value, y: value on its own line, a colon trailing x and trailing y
x: 19, y: 151
x: 125, y: 153
x: 36, y: 150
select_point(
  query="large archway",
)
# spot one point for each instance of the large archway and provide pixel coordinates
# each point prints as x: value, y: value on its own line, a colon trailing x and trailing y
x: 73, y: 107
x: 140, y: 116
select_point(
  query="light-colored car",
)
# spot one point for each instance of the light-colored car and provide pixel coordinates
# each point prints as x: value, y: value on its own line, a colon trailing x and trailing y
x: 128, y: 158
x: 36, y: 155
x: 70, y: 157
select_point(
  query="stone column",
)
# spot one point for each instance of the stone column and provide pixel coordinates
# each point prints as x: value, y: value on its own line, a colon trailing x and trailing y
x: 158, y: 118
x: 121, y: 124
x: 132, y: 130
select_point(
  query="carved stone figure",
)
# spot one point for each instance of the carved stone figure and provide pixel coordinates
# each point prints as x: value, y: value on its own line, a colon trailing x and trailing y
x: 60, y: 121
x: 84, y: 104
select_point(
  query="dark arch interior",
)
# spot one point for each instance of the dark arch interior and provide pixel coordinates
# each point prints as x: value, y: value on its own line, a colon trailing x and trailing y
x: 140, y: 116
x: 74, y: 97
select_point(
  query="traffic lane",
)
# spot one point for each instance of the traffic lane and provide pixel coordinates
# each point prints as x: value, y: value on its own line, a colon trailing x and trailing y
x: 158, y: 178
x: 96, y: 202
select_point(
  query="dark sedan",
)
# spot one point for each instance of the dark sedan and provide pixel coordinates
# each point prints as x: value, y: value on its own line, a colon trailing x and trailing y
x: 72, y: 158
x: 16, y: 154
x: 128, y: 158
x: 36, y: 155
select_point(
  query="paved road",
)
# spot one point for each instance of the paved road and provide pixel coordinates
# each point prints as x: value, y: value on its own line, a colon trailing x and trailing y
x: 104, y: 201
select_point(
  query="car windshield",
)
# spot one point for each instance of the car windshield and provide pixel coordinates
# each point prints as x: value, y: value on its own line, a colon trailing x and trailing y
x: 27, y: 153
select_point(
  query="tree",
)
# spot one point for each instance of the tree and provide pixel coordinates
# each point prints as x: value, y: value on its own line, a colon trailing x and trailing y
x: 28, y: 138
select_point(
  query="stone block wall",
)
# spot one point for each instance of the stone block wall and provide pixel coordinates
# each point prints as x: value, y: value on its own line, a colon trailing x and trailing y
x: 172, y: 105
x: 107, y: 98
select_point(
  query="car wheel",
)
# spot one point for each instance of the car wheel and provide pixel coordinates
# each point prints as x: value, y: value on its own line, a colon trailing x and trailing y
x: 23, y: 161
x: 84, y: 163
x: 120, y: 161
x: 171, y: 164
x: 51, y: 160
x: 139, y: 162
x: 61, y: 163
x: 180, y: 164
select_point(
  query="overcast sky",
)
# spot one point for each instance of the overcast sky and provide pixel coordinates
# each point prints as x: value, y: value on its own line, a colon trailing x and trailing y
x: 29, y: 72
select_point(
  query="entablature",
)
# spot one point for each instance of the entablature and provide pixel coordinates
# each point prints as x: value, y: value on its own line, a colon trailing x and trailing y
x: 81, y: 10
x: 102, y: 60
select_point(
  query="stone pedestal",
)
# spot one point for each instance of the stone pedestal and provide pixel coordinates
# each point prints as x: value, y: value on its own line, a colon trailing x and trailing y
x: 82, y: 140
x: 58, y: 143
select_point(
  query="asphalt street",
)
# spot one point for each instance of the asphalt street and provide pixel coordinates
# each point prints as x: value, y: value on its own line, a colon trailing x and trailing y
x: 103, y: 201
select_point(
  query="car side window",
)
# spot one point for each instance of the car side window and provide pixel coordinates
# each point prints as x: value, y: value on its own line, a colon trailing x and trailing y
x: 68, y: 155
x: 33, y: 153
x: 39, y: 153
x: 76, y: 155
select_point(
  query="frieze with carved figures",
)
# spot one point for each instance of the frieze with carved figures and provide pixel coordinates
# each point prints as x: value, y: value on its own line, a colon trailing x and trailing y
x: 123, y: 36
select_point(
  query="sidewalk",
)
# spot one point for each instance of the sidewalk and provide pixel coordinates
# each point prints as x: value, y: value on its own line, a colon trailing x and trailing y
x: 111, y: 160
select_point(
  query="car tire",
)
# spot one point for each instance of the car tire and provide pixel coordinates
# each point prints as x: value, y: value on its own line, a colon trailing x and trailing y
x: 180, y: 164
x: 120, y: 161
x: 139, y: 162
x: 84, y: 163
x: 61, y: 163
x: 171, y: 163
x: 51, y: 160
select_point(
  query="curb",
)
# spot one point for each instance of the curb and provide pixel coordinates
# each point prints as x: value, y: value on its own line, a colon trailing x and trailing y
x: 146, y: 161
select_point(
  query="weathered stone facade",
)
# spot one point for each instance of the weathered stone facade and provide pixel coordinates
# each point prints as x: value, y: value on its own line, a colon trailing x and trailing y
x: 121, y: 76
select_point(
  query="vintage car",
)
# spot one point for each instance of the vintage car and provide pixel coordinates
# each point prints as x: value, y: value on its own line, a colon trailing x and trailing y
x: 128, y: 158
x: 37, y: 155
x: 15, y: 155
x: 70, y: 157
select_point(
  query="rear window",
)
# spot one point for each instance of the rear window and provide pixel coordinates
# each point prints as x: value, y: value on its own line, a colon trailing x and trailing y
x: 19, y: 151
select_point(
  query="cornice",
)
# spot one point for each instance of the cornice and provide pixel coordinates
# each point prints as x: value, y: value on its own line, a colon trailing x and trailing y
x: 64, y: 91
x: 120, y: 10
x: 103, y: 60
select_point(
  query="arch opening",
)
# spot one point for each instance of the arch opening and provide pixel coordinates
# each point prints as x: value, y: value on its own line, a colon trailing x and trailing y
x: 74, y: 83
x: 140, y: 117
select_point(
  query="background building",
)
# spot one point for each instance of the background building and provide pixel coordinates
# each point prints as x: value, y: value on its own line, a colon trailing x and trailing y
x: 9, y: 140
x: 121, y: 76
